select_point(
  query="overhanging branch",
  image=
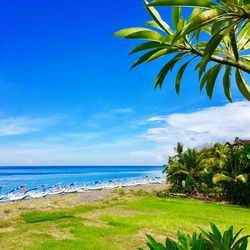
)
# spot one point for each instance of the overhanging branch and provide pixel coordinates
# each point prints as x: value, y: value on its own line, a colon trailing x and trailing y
x: 226, y: 61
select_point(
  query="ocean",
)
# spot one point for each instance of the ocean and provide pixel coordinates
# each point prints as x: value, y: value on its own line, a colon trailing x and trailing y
x: 31, y: 177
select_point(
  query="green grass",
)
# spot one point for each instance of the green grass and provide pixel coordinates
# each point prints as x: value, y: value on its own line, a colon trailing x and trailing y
x: 34, y: 217
x: 117, y: 224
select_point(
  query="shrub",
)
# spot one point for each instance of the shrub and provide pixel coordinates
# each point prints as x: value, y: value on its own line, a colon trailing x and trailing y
x: 207, y: 240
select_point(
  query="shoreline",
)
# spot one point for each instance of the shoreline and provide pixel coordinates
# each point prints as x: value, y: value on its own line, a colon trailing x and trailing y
x: 56, y: 189
x: 12, y: 208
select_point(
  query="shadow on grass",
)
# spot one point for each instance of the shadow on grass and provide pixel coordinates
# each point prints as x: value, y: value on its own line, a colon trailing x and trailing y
x: 34, y: 217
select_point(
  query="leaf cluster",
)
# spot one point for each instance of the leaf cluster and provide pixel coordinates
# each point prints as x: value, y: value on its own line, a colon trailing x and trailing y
x: 215, y: 31
x: 207, y: 240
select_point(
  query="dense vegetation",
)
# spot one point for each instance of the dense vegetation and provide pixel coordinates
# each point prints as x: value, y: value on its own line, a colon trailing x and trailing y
x: 221, y: 171
x: 214, y: 31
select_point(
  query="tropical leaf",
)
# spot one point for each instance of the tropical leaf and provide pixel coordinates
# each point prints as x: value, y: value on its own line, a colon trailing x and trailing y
x: 176, y: 15
x: 212, y: 45
x: 227, y: 83
x: 206, y: 76
x: 242, y: 85
x: 203, y: 19
x: 161, y: 53
x: 211, y: 80
x: 185, y: 3
x: 221, y: 177
x: 147, y: 45
x: 244, y: 36
x: 179, y: 76
x: 168, y: 67
x: 144, y: 57
x: 157, y: 18
x: 154, y: 24
x: 147, y: 35
x: 128, y: 31
x: 242, y: 178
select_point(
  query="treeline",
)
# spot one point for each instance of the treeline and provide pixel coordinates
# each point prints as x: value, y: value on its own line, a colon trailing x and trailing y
x: 221, y: 171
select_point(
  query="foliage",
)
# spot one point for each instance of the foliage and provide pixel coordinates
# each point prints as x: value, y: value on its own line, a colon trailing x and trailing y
x: 215, y: 31
x: 220, y: 171
x: 213, y: 240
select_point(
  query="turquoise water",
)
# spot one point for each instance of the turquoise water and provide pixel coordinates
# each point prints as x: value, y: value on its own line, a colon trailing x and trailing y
x: 11, y: 177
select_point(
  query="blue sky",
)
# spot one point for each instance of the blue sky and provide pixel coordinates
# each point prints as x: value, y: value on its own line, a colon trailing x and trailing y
x: 68, y: 96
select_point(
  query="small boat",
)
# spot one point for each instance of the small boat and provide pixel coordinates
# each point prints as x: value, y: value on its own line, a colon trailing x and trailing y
x: 5, y: 198
x: 81, y: 190
x: 37, y: 195
x: 70, y: 190
x: 56, y: 192
x: 94, y: 188
x: 154, y: 182
x: 17, y: 197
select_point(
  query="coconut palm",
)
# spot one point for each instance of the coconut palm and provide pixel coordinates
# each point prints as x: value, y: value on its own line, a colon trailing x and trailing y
x: 225, y: 24
x: 234, y: 176
x: 186, y: 170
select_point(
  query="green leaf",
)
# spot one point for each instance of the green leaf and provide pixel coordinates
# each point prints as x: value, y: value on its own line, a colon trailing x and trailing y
x: 244, y: 36
x: 206, y: 76
x: 242, y: 85
x: 211, y: 80
x: 161, y: 53
x: 203, y: 19
x: 212, y: 45
x: 184, y: 3
x: 168, y: 67
x: 217, y: 26
x: 221, y: 177
x: 176, y: 15
x: 242, y: 178
x: 144, y: 57
x: 153, y: 24
x: 227, y: 83
x: 157, y: 18
x: 128, y: 31
x: 147, y: 35
x: 241, y: 240
x: 216, y: 231
x: 179, y: 76
x: 146, y: 46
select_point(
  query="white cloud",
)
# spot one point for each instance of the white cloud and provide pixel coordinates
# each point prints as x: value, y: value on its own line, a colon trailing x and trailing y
x: 147, y: 146
x: 204, y: 126
x: 24, y: 125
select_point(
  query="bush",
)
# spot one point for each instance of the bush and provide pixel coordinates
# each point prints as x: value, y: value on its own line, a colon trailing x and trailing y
x: 207, y: 240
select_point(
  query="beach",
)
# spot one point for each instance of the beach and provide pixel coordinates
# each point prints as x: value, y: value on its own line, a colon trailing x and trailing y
x: 12, y: 208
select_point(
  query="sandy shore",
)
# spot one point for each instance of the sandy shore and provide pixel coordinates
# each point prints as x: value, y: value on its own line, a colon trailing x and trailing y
x: 68, y: 200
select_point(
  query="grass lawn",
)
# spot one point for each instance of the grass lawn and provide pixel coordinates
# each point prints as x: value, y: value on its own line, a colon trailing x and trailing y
x: 119, y: 223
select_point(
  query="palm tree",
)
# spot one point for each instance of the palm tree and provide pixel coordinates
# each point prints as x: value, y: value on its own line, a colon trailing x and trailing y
x: 234, y: 176
x: 186, y: 171
x: 226, y: 23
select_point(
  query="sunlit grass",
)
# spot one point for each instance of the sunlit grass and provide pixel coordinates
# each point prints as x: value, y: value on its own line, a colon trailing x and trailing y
x: 116, y: 224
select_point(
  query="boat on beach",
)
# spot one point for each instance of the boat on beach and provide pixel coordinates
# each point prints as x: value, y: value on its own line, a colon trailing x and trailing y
x: 37, y: 195
x: 94, y: 188
x: 56, y: 192
x: 41, y: 191
x: 71, y: 188
x: 17, y: 197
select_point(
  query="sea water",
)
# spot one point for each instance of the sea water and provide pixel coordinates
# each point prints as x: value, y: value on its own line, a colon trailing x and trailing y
x: 33, y: 176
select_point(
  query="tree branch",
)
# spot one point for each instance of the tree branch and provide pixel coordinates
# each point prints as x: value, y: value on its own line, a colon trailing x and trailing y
x: 225, y: 61
x: 234, y: 45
